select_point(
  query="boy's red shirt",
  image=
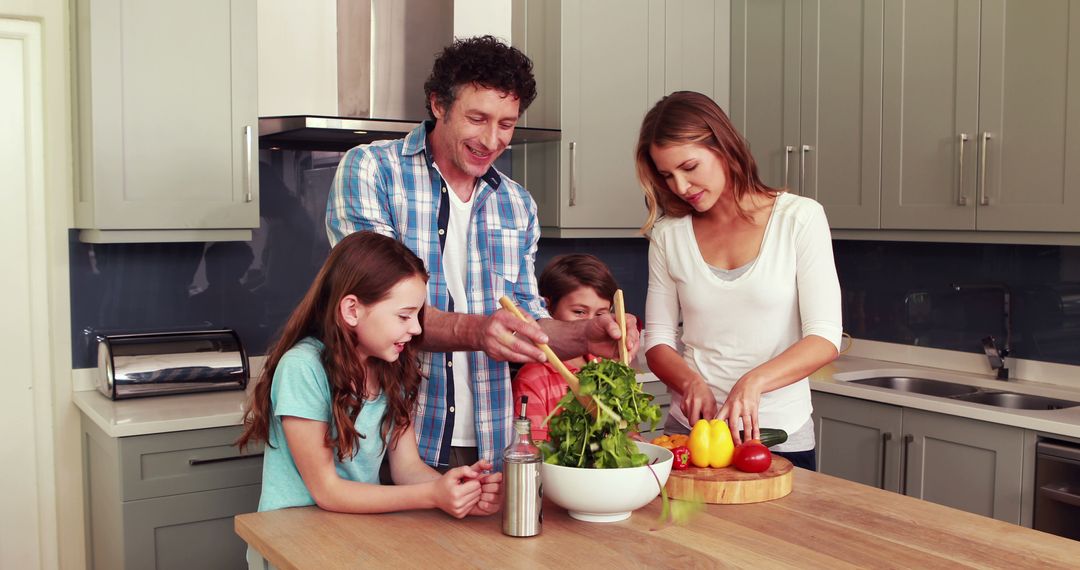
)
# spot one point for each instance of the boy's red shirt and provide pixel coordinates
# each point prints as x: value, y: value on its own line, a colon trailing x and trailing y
x: 545, y: 387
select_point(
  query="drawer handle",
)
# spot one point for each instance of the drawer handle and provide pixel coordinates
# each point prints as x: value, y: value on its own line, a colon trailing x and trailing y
x: 984, y: 200
x: 908, y: 438
x: 573, y: 174
x: 787, y: 164
x: 196, y: 461
x: 802, y: 169
x: 885, y: 438
x: 961, y: 199
x: 1060, y: 495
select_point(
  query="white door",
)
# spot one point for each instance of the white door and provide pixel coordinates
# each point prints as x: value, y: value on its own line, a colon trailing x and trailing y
x: 25, y: 409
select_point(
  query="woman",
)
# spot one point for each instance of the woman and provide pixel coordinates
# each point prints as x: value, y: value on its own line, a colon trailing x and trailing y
x: 748, y: 268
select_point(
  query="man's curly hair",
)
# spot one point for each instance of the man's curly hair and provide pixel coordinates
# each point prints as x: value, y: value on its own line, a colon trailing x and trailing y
x: 485, y: 61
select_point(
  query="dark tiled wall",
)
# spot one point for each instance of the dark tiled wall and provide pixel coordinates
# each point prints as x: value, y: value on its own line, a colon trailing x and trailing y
x: 894, y: 292
x: 904, y: 293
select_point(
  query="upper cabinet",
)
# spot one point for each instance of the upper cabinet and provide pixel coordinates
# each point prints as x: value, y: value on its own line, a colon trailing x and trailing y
x: 915, y: 114
x: 600, y: 66
x: 806, y: 94
x: 982, y: 115
x: 167, y: 120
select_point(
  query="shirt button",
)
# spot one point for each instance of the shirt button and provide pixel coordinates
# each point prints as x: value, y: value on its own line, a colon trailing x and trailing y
x: 451, y: 409
x: 450, y: 363
x: 444, y: 189
x: 441, y: 232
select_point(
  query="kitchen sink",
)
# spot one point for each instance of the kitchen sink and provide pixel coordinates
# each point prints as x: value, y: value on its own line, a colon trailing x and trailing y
x: 922, y: 386
x: 1016, y: 401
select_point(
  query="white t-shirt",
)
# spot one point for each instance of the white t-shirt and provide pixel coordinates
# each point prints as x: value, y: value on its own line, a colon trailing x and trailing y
x: 729, y: 327
x: 454, y: 259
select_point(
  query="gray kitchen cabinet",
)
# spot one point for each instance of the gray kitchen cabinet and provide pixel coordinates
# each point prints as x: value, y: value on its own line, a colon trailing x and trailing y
x: 167, y: 113
x: 167, y: 500
x: 600, y: 66
x: 853, y: 440
x: 966, y: 464
x: 806, y: 94
x: 661, y: 398
x: 981, y: 115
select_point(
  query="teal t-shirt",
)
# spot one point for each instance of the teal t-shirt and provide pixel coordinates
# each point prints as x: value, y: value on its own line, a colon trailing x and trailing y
x: 301, y: 389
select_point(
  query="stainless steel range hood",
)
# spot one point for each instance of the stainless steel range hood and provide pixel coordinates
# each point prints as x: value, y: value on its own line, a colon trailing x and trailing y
x: 342, y: 133
x: 385, y: 49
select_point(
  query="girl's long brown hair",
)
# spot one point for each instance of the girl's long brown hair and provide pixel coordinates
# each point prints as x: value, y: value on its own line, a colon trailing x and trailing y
x: 688, y: 117
x: 367, y: 265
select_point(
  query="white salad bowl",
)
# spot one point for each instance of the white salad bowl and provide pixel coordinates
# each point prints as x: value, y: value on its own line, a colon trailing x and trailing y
x: 607, y: 495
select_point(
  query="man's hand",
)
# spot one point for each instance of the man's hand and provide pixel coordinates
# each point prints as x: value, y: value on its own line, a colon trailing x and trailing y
x: 602, y: 336
x: 504, y: 337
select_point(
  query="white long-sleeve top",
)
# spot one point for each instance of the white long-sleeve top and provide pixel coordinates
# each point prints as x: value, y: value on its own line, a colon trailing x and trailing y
x: 729, y: 327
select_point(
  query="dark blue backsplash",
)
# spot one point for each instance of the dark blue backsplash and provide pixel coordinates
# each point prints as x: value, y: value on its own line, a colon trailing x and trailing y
x: 893, y: 291
x: 903, y: 292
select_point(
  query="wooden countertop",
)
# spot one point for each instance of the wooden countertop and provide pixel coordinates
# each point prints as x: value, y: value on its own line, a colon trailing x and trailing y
x: 825, y: 522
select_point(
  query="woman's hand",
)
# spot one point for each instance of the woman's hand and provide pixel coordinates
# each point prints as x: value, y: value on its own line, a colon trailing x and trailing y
x: 742, y: 402
x: 698, y: 401
x: 458, y: 491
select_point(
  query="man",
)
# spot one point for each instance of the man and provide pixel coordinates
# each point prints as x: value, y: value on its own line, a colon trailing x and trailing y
x: 477, y: 231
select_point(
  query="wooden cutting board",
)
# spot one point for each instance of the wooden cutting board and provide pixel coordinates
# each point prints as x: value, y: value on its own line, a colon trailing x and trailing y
x: 729, y: 486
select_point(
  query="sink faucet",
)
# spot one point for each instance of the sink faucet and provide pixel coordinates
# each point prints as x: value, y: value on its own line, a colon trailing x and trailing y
x: 995, y: 355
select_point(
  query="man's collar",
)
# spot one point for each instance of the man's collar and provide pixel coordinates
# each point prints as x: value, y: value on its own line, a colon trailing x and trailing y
x: 416, y: 142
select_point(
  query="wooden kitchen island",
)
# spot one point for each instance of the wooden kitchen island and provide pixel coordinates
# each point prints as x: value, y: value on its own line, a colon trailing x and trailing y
x: 825, y: 522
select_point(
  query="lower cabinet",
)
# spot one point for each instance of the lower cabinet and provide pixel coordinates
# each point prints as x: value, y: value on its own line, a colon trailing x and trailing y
x: 966, y: 464
x: 661, y: 398
x: 167, y: 501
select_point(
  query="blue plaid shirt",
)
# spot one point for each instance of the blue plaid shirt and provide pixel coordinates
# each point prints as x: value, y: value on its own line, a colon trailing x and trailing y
x: 393, y: 188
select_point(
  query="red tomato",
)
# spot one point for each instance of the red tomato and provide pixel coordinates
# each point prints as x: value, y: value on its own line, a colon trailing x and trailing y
x: 752, y: 457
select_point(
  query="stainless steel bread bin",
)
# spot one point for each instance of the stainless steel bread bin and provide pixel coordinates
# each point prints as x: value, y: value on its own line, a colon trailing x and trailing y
x: 154, y: 364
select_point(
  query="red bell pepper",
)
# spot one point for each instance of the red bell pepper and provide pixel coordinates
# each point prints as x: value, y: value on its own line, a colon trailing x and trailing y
x: 682, y: 458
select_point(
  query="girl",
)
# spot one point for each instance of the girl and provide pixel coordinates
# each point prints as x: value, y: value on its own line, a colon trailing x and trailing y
x: 575, y: 287
x: 339, y: 388
x: 748, y: 268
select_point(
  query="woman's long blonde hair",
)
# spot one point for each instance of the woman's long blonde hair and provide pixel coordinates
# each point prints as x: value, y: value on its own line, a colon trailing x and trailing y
x: 687, y: 117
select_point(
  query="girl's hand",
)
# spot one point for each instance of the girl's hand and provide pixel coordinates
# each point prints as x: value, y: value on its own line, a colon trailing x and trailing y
x: 743, y: 402
x: 457, y: 491
x: 490, y: 490
x: 698, y: 401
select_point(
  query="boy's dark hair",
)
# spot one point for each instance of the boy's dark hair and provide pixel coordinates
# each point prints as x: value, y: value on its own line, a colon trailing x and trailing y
x: 485, y: 61
x: 567, y: 273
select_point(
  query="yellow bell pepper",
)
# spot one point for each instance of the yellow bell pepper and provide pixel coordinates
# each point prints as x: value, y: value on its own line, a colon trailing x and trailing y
x: 710, y: 444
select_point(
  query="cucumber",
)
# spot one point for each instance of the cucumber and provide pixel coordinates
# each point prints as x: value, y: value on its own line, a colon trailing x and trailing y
x: 770, y: 436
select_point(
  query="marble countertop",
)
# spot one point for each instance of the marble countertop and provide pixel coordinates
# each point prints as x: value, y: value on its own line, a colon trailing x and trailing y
x: 835, y: 378
x: 160, y: 414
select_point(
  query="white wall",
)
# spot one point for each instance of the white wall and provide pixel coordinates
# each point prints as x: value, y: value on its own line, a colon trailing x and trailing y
x: 298, y: 57
x: 480, y: 17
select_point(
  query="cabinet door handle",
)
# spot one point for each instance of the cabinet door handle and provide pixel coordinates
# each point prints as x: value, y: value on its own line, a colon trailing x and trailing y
x: 961, y: 200
x: 984, y: 200
x: 573, y: 174
x: 885, y: 439
x: 908, y: 438
x: 787, y: 164
x: 247, y: 162
x: 802, y: 169
x: 197, y: 461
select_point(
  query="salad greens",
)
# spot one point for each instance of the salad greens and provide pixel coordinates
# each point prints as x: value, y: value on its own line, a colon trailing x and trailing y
x: 582, y: 438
